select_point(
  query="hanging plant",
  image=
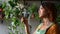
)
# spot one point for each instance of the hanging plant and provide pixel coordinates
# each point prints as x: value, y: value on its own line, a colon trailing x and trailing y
x: 12, y: 13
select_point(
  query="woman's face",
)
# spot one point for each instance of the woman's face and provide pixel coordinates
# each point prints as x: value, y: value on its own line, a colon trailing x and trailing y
x: 41, y: 11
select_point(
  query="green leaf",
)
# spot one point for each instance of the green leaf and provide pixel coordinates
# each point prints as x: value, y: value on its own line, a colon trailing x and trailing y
x: 4, y: 5
x: 12, y: 4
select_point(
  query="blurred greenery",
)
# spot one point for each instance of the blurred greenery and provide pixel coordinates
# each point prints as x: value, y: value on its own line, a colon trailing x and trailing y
x: 12, y: 4
x: 58, y: 13
x: 33, y: 9
x: 12, y: 13
x: 4, y: 5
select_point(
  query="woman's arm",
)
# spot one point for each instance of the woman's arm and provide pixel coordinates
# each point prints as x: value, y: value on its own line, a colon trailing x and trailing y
x: 26, y: 26
x: 25, y: 20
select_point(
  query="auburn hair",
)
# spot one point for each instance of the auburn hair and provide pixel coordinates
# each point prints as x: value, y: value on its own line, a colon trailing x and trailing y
x: 51, y: 11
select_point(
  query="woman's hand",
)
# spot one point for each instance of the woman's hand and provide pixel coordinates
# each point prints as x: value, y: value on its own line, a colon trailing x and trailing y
x: 25, y: 20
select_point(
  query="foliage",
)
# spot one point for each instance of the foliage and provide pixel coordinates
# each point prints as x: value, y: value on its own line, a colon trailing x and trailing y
x: 58, y: 13
x: 33, y: 9
x: 13, y: 13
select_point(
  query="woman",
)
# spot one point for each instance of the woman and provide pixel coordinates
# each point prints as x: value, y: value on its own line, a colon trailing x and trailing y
x: 48, y: 13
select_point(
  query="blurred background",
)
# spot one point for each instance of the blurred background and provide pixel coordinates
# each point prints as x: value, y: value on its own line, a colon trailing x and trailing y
x: 11, y: 12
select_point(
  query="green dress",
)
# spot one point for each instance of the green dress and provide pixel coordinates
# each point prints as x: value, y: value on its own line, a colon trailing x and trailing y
x: 42, y: 31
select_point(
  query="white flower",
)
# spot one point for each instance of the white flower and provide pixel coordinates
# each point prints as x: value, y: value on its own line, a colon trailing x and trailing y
x: 12, y: 23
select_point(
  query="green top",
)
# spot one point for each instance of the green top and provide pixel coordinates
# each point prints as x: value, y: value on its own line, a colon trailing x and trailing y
x: 42, y: 31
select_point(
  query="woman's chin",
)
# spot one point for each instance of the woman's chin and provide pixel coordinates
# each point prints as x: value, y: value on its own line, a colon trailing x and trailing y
x: 40, y: 16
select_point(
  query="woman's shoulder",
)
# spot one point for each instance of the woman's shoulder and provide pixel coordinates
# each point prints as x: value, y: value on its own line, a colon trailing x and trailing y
x: 54, y: 26
x: 53, y: 29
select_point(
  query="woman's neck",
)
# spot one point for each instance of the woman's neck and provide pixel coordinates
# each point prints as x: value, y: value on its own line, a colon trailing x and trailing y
x: 46, y: 21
